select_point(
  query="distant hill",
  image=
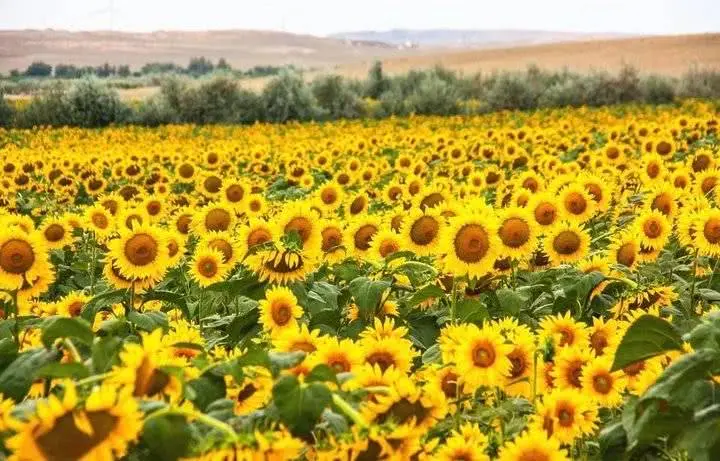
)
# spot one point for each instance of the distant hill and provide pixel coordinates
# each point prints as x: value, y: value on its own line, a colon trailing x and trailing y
x: 241, y: 48
x: 468, y: 38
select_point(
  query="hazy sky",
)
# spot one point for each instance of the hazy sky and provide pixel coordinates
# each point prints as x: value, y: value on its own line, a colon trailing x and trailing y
x: 326, y: 16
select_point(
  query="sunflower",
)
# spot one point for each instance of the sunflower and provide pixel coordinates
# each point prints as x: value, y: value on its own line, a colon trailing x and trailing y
x: 23, y: 258
x: 128, y: 218
x: 604, y: 387
x: 569, y: 362
x: 664, y: 199
x: 56, y: 232
x: 653, y: 228
x: 341, y: 355
x: 140, y: 253
x: 384, y: 243
x: 141, y: 368
x: 332, y: 246
x: 253, y: 393
x: 176, y: 247
x: 469, y: 245
x: 604, y: 336
x: 707, y: 232
x: 280, y: 265
x: 99, y: 220
x: 296, y: 217
x: 256, y: 232
x: 214, y: 217
x: 359, y: 234
x: 482, y: 358
x: 457, y: 447
x: 235, y: 193
x: 279, y: 311
x: 225, y: 244
x: 576, y: 203
x: 329, y: 196
x: 544, y: 210
x: 72, y: 304
x: 182, y: 220
x: 563, y: 330
x: 388, y: 353
x: 61, y: 429
x: 208, y: 266
x: 566, y: 243
x: 408, y: 406
x: 519, y: 381
x: 256, y: 205
x: 624, y: 250
x: 594, y: 263
x: 300, y: 339
x: 357, y: 205
x: 564, y: 415
x: 598, y: 190
x: 516, y: 233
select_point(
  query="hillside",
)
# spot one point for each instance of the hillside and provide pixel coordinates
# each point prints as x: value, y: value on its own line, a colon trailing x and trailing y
x: 670, y: 55
x: 468, y: 37
x: 242, y: 48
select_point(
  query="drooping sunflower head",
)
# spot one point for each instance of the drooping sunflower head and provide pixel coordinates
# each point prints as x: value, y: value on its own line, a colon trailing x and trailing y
x: 281, y: 265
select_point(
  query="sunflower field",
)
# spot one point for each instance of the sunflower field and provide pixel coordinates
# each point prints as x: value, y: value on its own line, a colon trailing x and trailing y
x: 518, y: 286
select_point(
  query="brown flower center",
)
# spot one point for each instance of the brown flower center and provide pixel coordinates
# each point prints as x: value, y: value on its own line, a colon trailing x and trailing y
x: 212, y: 184
x: 16, y: 256
x: 100, y: 220
x: 54, y: 232
x: 363, y: 236
x: 65, y: 441
x: 382, y: 359
x: 626, y: 254
x: 566, y: 242
x: 545, y: 213
x: 575, y: 203
x: 218, y: 219
x: 712, y: 230
x: 471, y: 243
x: 483, y: 355
x: 331, y: 238
x: 281, y: 314
x: 602, y: 383
x: 141, y: 249
x: 424, y: 230
x: 514, y: 232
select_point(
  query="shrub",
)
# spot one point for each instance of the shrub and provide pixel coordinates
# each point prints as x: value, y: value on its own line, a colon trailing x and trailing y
x: 336, y: 97
x: 657, y: 90
x: 287, y: 97
x: 6, y: 112
x: 434, y: 95
x: 219, y: 101
x: 376, y: 83
x: 38, y: 69
x: 698, y: 83
x: 92, y: 104
x: 48, y: 109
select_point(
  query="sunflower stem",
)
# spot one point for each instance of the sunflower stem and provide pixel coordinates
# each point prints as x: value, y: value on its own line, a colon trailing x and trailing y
x: 349, y: 411
x: 16, y: 325
x: 377, y: 389
x: 73, y: 350
x: 201, y: 417
x: 691, y: 307
x: 712, y: 274
x: 92, y: 379
x: 453, y: 302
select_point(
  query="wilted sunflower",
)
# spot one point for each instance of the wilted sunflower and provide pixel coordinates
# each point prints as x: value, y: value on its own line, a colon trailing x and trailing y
x: 63, y: 429
x: 279, y: 311
x: 281, y: 265
x: 140, y: 253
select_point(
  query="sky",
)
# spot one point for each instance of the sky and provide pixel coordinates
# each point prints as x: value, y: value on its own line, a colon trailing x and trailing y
x: 321, y: 17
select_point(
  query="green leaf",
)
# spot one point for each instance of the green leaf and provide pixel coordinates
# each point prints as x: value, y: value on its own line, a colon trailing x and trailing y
x: 101, y: 301
x: 283, y: 360
x: 104, y: 353
x: 300, y: 406
x: 510, y: 301
x: 63, y: 370
x: 709, y: 295
x: 207, y: 389
x: 647, y: 337
x: 324, y: 296
x: 367, y: 294
x: 675, y: 382
x: 471, y: 310
x: 432, y: 355
x: 321, y: 373
x: 168, y: 437
x: 425, y: 293
x: 613, y: 441
x: 176, y: 299
x: 418, y: 273
x: 149, y: 321
x: 16, y: 379
x: 66, y: 327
